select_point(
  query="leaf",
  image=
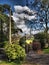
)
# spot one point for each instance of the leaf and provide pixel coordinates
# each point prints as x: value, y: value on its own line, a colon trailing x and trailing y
x: 3, y: 17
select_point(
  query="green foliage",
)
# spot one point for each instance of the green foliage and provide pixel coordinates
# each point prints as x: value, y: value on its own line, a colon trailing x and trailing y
x: 22, y: 41
x: 42, y: 38
x: 3, y: 17
x: 3, y: 38
x: 8, y: 63
x: 14, y: 51
x: 46, y: 51
x: 45, y: 1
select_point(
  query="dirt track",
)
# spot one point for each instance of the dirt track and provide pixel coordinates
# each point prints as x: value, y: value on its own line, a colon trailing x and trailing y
x: 37, y: 59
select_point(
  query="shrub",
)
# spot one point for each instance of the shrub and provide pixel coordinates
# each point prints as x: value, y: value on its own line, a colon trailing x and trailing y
x: 22, y: 41
x: 42, y: 38
x: 2, y: 44
x: 14, y: 51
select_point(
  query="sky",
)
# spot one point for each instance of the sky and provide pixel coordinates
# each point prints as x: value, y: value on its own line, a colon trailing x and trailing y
x: 13, y: 2
x: 20, y: 3
x: 20, y: 18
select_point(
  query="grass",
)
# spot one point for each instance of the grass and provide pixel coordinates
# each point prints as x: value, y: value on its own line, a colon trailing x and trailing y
x: 8, y: 63
x: 12, y: 63
x: 46, y: 51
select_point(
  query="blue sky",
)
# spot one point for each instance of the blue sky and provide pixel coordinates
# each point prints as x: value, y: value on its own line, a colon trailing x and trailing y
x: 13, y: 2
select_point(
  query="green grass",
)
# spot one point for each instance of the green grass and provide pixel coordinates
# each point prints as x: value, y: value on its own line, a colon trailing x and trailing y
x: 8, y: 63
x: 46, y: 51
x: 12, y: 63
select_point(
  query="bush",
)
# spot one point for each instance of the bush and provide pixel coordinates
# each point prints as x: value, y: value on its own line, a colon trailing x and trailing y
x: 22, y: 41
x: 42, y: 38
x: 14, y: 51
x: 2, y: 44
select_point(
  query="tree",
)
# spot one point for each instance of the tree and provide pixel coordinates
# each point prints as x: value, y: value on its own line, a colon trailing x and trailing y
x: 46, y: 2
x: 9, y: 10
x: 3, y: 18
x: 45, y: 8
x: 44, y: 16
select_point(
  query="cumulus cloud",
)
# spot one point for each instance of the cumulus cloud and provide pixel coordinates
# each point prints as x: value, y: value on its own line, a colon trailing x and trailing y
x: 24, y: 16
x: 20, y: 9
x: 21, y: 15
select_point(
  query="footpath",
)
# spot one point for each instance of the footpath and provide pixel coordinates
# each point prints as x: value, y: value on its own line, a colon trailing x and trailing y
x: 34, y: 58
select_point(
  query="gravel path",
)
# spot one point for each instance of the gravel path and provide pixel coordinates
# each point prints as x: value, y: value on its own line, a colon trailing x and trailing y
x: 37, y: 59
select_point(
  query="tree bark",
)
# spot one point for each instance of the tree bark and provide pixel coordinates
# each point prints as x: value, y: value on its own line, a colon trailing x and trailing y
x: 10, y: 28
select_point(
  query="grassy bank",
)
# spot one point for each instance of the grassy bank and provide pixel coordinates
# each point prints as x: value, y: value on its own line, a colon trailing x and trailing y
x: 8, y: 63
x: 12, y: 63
x: 46, y: 51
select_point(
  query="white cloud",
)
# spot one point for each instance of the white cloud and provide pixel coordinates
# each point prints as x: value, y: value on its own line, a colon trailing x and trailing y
x: 20, y: 9
x: 24, y: 16
x: 19, y: 16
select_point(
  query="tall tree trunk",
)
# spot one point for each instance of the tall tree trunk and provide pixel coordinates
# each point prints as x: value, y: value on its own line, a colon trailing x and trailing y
x: 46, y: 27
x: 10, y: 28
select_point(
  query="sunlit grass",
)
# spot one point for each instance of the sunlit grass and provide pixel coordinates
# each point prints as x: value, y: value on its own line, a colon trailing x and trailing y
x: 12, y: 63
x: 8, y: 63
x: 46, y: 51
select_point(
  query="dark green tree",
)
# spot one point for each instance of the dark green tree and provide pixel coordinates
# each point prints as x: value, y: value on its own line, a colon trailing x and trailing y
x: 3, y: 18
x: 44, y: 16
